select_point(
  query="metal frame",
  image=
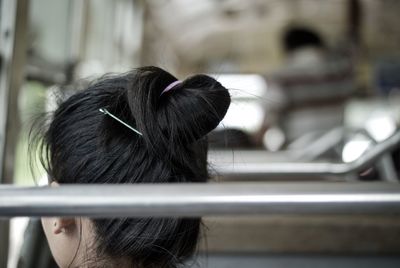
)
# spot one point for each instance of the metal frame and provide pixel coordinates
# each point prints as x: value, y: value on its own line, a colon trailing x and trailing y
x: 264, y: 170
x: 192, y: 200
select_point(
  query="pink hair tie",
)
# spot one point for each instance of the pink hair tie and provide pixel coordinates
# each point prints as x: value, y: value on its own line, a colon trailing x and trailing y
x: 171, y: 86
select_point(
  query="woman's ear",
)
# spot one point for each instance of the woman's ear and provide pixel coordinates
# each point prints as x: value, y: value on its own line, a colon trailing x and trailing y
x: 64, y: 238
x: 64, y: 225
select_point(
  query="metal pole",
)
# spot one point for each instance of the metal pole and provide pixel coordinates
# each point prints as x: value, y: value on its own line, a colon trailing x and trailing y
x: 13, y: 25
x: 387, y: 169
x: 192, y: 200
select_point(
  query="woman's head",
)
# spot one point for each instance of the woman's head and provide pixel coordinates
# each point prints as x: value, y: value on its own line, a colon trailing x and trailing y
x: 83, y: 145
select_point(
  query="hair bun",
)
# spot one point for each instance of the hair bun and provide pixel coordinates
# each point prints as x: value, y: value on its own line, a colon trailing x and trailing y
x: 195, y: 107
x: 180, y: 116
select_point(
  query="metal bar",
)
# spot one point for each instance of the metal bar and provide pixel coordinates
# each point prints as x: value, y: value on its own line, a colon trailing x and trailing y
x: 387, y: 169
x: 191, y: 200
x: 321, y: 145
x: 8, y: 11
x: 13, y: 39
x: 240, y: 169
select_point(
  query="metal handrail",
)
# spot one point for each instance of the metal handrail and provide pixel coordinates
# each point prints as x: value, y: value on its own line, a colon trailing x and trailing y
x: 192, y: 200
x: 308, y: 168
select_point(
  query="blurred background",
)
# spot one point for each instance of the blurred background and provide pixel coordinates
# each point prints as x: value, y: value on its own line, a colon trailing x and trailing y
x: 316, y: 97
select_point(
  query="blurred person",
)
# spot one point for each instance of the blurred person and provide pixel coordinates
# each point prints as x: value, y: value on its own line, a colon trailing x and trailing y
x: 387, y: 76
x: 163, y: 139
x: 308, y: 93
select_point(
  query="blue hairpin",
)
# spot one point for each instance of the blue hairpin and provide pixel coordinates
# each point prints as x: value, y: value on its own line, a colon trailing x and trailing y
x: 105, y: 111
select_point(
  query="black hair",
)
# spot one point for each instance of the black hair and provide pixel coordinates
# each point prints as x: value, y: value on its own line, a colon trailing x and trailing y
x: 300, y: 37
x: 83, y: 145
